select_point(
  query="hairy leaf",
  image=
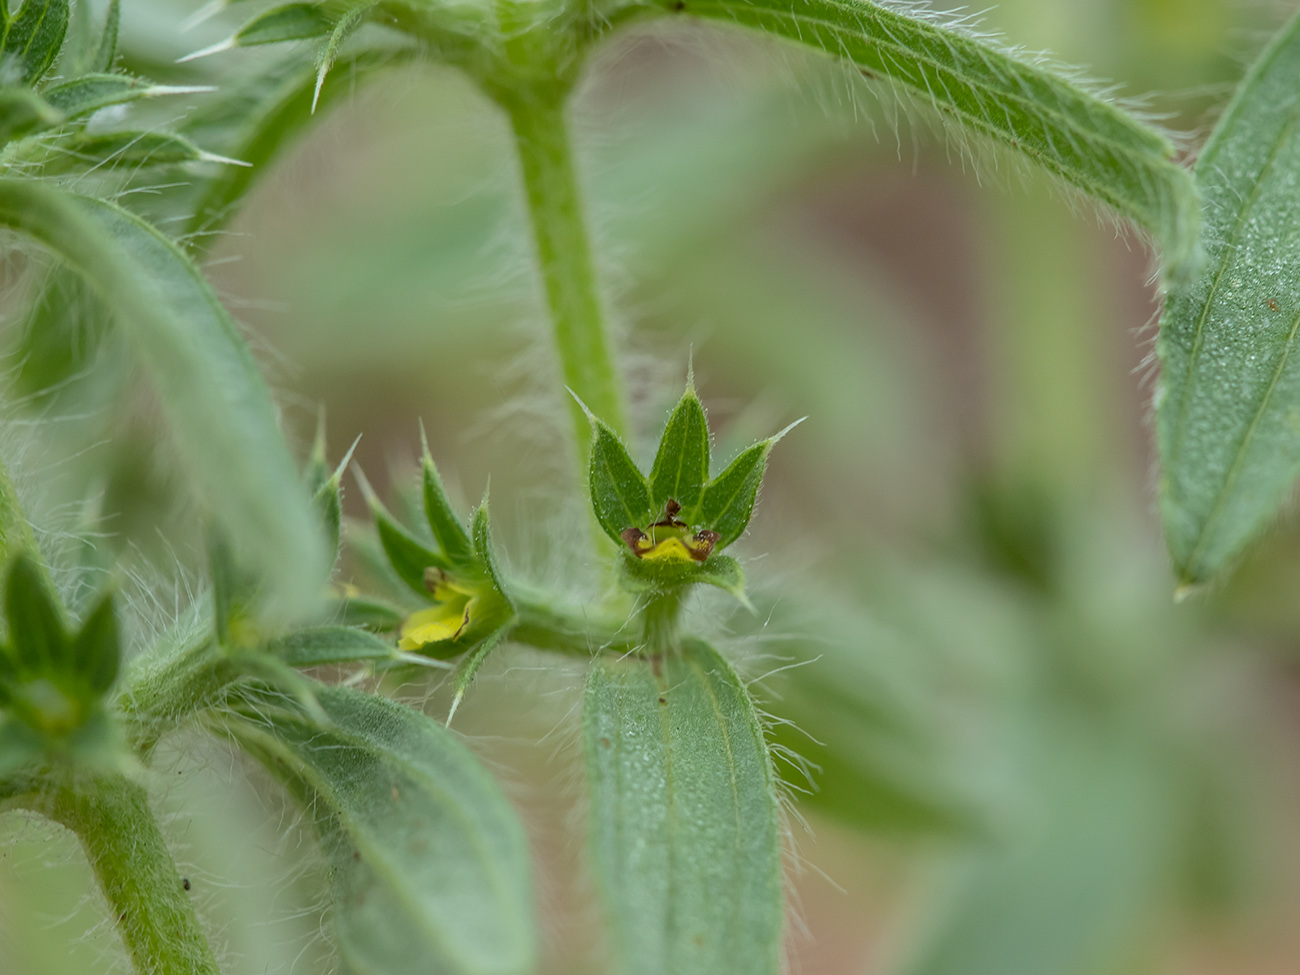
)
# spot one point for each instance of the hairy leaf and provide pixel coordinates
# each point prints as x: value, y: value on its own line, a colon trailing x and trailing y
x: 684, y: 821
x: 255, y: 120
x: 1090, y: 143
x: 618, y: 490
x: 407, y: 556
x: 728, y: 501
x: 36, y: 628
x: 89, y: 93
x: 1228, y: 419
x: 321, y: 645
x: 428, y: 863
x: 23, y: 112
x: 681, y: 465
x: 205, y: 377
x: 446, y: 526
x: 291, y: 22
x: 96, y: 649
x: 123, y: 149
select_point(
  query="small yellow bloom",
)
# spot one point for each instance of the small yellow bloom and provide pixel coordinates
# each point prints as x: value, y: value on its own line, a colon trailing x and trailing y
x: 445, y: 620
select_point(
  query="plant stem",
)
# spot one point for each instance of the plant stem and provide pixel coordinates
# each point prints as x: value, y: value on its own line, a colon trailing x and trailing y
x: 564, y: 257
x: 135, y: 870
x: 158, y: 696
x: 662, y: 612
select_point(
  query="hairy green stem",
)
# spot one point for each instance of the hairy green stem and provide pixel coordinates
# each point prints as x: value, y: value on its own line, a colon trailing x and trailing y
x: 661, y: 615
x: 538, y: 623
x: 564, y: 257
x: 158, y: 696
x: 136, y: 872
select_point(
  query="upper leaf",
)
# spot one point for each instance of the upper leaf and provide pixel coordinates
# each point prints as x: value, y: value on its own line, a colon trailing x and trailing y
x: 36, y: 629
x: 446, y: 525
x: 291, y: 22
x: 1090, y: 143
x: 428, y: 864
x: 1228, y: 420
x: 619, y: 492
x: 681, y: 465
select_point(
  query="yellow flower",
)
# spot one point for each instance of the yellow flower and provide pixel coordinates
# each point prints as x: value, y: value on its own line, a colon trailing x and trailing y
x: 445, y: 620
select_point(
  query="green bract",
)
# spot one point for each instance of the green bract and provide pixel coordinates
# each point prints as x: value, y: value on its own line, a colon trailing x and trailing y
x: 52, y: 681
x: 673, y: 525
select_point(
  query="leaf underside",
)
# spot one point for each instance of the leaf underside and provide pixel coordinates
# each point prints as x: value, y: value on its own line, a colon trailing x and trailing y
x: 684, y: 822
x: 1228, y: 420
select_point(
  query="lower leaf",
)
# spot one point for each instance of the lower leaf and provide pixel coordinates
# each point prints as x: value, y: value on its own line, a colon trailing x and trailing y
x: 684, y: 816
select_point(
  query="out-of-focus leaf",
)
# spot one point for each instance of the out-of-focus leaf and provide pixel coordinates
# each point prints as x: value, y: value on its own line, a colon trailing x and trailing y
x: 684, y: 820
x: 291, y: 22
x: 1090, y: 143
x: 89, y: 93
x: 97, y: 647
x: 1073, y: 891
x: 23, y: 112
x: 321, y: 645
x: 206, y: 380
x: 123, y: 149
x: 37, y: 632
x: 257, y: 118
x: 428, y: 863
x: 1228, y: 420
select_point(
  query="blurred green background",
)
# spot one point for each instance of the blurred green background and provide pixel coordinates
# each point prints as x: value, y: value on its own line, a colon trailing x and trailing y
x: 1024, y: 758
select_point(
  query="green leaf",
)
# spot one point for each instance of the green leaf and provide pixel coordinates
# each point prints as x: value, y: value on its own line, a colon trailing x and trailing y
x: 36, y: 629
x: 97, y: 648
x: 1026, y: 106
x: 681, y: 465
x: 469, y: 667
x: 34, y: 37
x: 127, y: 148
x: 1228, y: 418
x: 408, y: 557
x: 428, y: 864
x: 618, y: 490
x: 235, y: 590
x: 320, y: 645
x: 205, y: 378
x: 447, y: 528
x: 61, y: 333
x: 684, y: 820
x: 23, y: 112
x: 372, y: 614
x: 483, y: 546
x: 107, y: 50
x: 347, y: 26
x: 291, y: 22
x: 89, y: 93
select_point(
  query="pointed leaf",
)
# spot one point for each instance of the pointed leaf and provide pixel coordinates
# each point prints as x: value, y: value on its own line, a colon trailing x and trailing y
x: 34, y: 36
x: 36, y: 629
x: 126, y: 148
x: 321, y: 645
x: 372, y: 614
x: 291, y: 22
x: 447, y: 528
x: 728, y: 501
x: 684, y: 820
x: 89, y: 93
x: 428, y: 864
x: 1228, y: 418
x: 347, y: 26
x: 1024, y: 105
x: 258, y: 117
x: 107, y: 50
x: 681, y: 466
x: 97, y: 648
x: 235, y: 590
x: 618, y: 490
x: 469, y: 667
x: 483, y: 546
x: 408, y: 557
x: 206, y: 379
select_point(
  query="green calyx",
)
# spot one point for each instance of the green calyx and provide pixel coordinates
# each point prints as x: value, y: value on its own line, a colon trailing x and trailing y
x: 52, y: 681
x: 457, y: 575
x: 672, y: 525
